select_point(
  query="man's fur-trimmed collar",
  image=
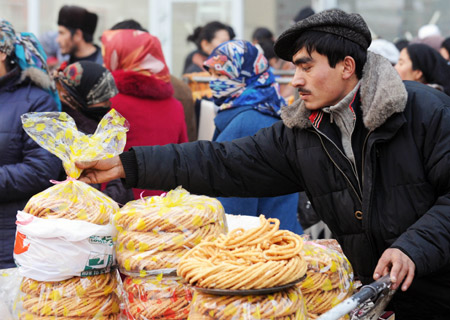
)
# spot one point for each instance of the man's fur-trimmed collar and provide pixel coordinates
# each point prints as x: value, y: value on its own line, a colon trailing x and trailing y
x: 382, y: 94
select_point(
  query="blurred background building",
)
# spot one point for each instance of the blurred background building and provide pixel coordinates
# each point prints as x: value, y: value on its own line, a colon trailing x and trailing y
x: 173, y: 20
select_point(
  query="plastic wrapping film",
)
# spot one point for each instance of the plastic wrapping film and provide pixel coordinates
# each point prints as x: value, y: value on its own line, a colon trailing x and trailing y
x: 73, y: 200
x: 65, y: 231
x: 155, y: 232
x: 329, y: 278
x: 261, y: 257
x: 10, y: 280
x: 157, y: 297
x: 57, y: 133
x: 286, y: 305
x: 78, y: 298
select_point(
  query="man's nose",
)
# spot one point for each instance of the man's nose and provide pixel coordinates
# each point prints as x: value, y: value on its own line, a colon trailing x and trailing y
x: 298, y: 80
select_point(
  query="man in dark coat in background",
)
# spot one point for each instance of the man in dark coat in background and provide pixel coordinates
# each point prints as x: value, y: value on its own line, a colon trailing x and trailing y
x: 76, y: 27
x: 371, y: 152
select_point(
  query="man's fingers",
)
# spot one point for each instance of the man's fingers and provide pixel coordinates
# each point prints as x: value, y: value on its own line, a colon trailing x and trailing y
x: 409, y: 278
x: 85, y: 164
x: 382, y: 267
x: 394, y: 274
x: 87, y: 177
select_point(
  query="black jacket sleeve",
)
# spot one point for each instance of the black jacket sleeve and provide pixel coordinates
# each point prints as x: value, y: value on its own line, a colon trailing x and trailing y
x: 258, y: 166
x: 427, y: 241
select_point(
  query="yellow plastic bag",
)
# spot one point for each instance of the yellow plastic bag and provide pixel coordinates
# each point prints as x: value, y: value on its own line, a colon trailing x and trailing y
x: 95, y: 297
x: 329, y: 278
x: 58, y: 133
x: 155, y: 232
x: 157, y: 297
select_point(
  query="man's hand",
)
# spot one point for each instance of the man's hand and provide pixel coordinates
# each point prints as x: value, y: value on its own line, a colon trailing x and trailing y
x: 399, y: 265
x: 101, y: 171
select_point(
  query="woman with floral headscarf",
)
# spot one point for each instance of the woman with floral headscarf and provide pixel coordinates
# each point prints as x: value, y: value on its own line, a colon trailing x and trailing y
x: 25, y: 168
x: 85, y: 89
x: 145, y: 97
x: 249, y: 99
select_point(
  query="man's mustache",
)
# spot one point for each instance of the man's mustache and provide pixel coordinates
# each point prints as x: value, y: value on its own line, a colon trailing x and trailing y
x: 300, y: 90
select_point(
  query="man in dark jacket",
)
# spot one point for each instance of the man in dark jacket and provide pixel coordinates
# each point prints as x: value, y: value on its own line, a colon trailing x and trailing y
x: 371, y: 152
x: 25, y: 168
x: 76, y: 27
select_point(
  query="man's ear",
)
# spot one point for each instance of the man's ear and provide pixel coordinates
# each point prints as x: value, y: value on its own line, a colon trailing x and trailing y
x: 77, y: 36
x: 348, y: 67
x: 418, y: 76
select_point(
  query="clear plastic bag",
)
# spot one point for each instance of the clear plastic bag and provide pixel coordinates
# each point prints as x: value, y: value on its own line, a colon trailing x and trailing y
x: 329, y: 278
x: 78, y: 298
x: 157, y: 297
x: 287, y: 305
x: 155, y: 232
x: 10, y: 280
x: 65, y: 231
x: 57, y: 133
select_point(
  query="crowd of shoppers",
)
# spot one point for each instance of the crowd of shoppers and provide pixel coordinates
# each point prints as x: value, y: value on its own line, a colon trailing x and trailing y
x: 367, y: 141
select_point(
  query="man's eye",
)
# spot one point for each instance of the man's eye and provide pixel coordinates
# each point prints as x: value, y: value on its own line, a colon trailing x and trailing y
x: 306, y: 68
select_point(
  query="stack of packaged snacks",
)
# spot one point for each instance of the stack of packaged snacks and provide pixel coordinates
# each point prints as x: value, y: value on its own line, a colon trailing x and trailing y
x: 153, y: 234
x: 157, y: 297
x: 329, y: 278
x: 78, y: 298
x: 287, y: 305
x: 64, y: 241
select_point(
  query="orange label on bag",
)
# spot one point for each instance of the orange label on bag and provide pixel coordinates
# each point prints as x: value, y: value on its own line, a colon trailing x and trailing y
x: 19, y: 246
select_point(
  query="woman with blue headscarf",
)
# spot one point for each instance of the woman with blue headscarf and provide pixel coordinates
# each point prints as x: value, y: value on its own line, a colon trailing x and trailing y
x: 25, y: 168
x: 248, y: 98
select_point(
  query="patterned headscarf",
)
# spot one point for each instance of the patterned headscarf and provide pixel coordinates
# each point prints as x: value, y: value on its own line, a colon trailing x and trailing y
x: 25, y: 50
x: 83, y: 84
x: 134, y: 50
x: 249, y: 83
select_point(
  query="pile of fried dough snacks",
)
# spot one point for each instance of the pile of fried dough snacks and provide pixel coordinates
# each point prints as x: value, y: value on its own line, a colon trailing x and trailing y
x: 261, y: 257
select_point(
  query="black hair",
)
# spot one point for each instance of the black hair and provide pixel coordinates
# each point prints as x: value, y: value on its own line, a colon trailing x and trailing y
x: 87, y: 37
x: 231, y: 32
x: 401, y: 43
x: 446, y: 45
x: 334, y: 47
x: 267, y: 46
x: 303, y: 14
x: 208, y: 32
x: 128, y: 24
x: 9, y: 62
x: 261, y: 34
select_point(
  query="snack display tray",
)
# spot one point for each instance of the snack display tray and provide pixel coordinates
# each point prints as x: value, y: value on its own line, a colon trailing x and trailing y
x: 247, y: 292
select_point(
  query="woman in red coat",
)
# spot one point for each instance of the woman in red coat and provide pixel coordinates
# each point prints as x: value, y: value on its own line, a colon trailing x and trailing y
x: 145, y: 98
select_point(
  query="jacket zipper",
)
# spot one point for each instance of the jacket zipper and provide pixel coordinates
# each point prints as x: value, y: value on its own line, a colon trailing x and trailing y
x: 364, y: 155
x: 336, y: 165
x: 369, y: 225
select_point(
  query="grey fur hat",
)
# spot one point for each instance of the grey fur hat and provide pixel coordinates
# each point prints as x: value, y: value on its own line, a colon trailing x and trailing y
x: 350, y: 26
